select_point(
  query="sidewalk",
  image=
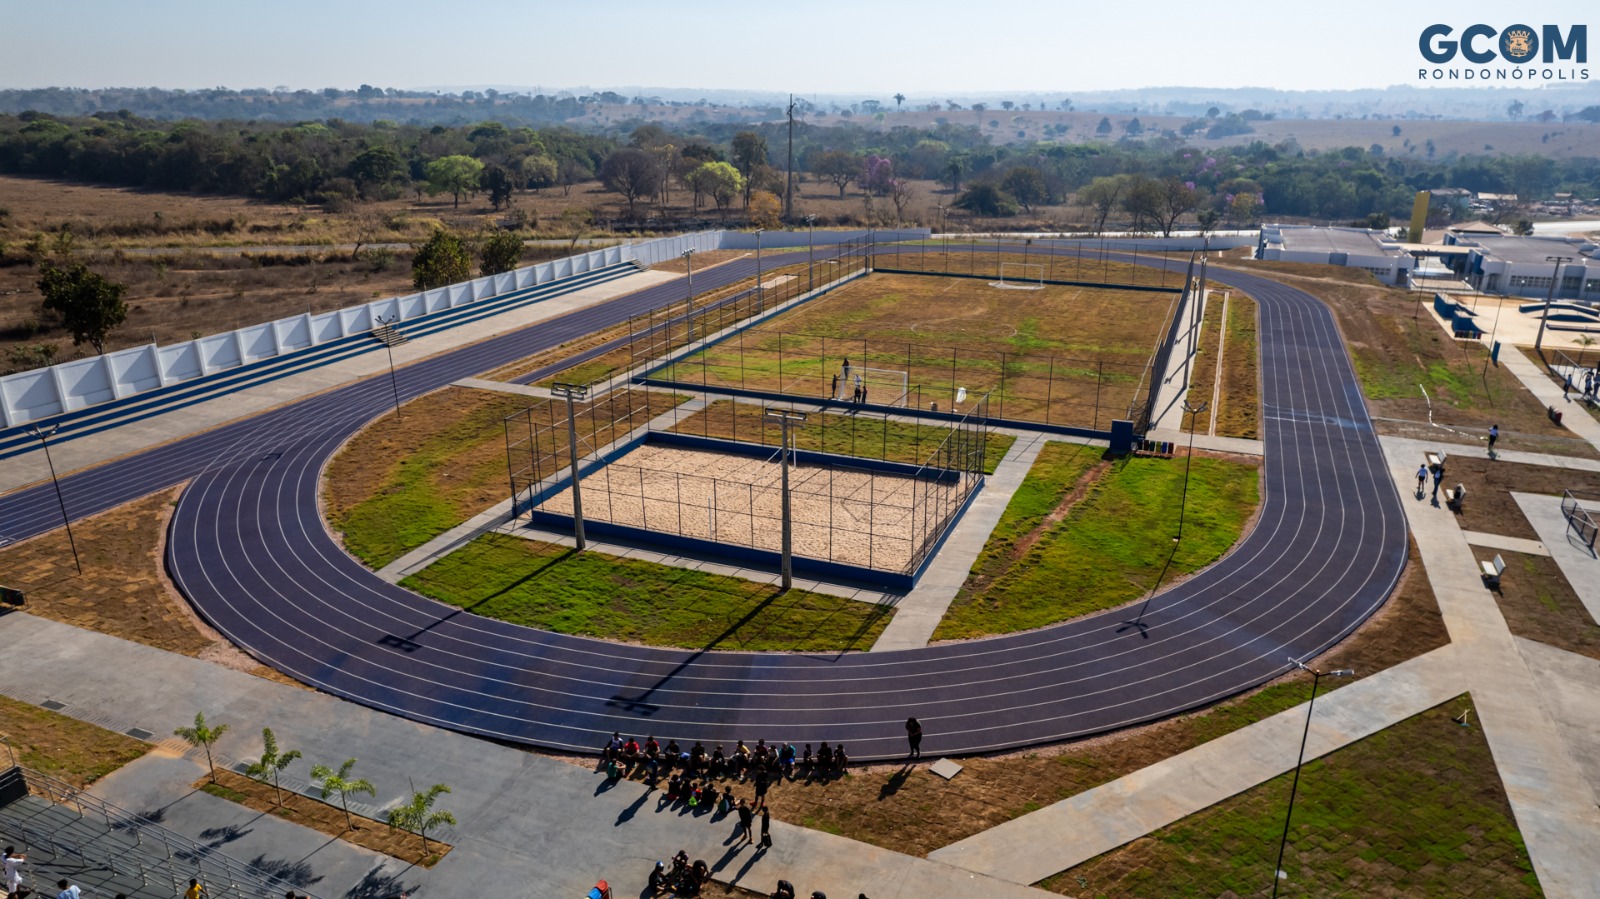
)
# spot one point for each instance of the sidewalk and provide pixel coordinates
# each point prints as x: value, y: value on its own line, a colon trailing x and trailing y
x: 1574, y: 418
x: 527, y: 821
x: 144, y: 433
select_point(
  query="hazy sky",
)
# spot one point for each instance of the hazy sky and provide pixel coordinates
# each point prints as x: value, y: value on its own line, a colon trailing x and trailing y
x: 869, y: 48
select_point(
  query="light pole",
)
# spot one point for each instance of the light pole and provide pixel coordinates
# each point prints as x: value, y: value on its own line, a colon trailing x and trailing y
x: 44, y: 440
x: 1183, y: 505
x: 811, y: 253
x: 388, y: 346
x: 760, y: 299
x: 1555, y: 278
x: 688, y: 261
x: 1316, y: 678
x: 784, y: 417
x: 571, y: 392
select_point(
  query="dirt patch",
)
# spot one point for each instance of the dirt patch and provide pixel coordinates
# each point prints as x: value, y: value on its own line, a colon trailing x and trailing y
x: 1490, y: 508
x: 65, y: 748
x: 907, y: 809
x: 1056, y: 516
x: 703, y: 259
x: 325, y: 818
x: 1539, y: 604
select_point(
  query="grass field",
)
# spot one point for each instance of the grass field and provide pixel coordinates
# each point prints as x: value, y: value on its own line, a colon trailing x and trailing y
x: 403, y: 481
x: 1235, y: 407
x: 64, y: 748
x: 1064, y: 354
x: 548, y: 586
x: 1083, y: 535
x: 1414, y: 810
x: 862, y: 435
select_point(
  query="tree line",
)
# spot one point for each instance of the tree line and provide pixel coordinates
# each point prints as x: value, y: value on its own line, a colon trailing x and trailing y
x: 715, y: 167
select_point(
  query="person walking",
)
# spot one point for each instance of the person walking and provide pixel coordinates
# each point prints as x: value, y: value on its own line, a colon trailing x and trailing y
x: 747, y: 820
x: 833, y: 392
x: 762, y: 783
x: 1438, y: 478
x: 1494, y: 434
x: 766, y: 828
x: 914, y: 737
x: 13, y: 863
x: 195, y: 890
x: 1422, y: 478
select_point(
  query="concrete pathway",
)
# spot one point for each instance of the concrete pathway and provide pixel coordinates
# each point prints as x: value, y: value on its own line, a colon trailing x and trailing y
x: 1174, y: 388
x: 1240, y: 445
x: 1576, y: 560
x: 529, y: 824
x: 1075, y: 830
x: 1496, y: 541
x: 1532, y: 376
x: 919, y: 613
x: 141, y: 434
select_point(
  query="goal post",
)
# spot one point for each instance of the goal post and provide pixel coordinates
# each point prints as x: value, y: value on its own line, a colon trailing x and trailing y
x: 883, y: 386
x: 1020, y: 276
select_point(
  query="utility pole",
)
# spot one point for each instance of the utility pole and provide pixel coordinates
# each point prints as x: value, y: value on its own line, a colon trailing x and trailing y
x: 784, y: 417
x: 1278, y: 874
x: 811, y: 253
x: 788, y: 188
x: 388, y: 346
x: 572, y: 392
x: 1555, y: 279
x: 761, y: 302
x: 44, y: 440
x: 688, y: 260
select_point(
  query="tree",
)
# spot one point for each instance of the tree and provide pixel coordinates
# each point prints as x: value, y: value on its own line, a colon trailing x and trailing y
x: 501, y: 252
x: 836, y: 166
x: 985, y: 199
x: 574, y: 225
x: 1244, y: 208
x: 1514, y: 110
x: 1143, y: 200
x: 633, y: 173
x: 766, y: 210
x: 1025, y: 185
x: 1104, y: 127
x: 877, y: 173
x: 453, y: 175
x: 375, y: 166
x: 1133, y: 127
x: 538, y: 171
x: 500, y: 185
x: 899, y: 99
x: 442, y: 260
x: 721, y: 182
x: 341, y: 784
x: 749, y: 156
x: 1208, y: 219
x: 90, y: 306
x: 418, y: 816
x: 272, y: 762
x: 1102, y: 195
x: 203, y: 734
x: 900, y: 194
x: 1177, y: 199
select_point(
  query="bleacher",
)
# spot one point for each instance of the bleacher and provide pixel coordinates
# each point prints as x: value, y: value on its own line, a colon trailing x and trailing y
x: 67, y: 833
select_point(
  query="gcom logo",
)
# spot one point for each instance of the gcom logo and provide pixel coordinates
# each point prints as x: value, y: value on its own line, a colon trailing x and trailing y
x: 1517, y: 44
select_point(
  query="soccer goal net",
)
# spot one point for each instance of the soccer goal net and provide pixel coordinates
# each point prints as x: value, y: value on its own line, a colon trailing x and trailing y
x: 1020, y: 276
x: 881, y: 386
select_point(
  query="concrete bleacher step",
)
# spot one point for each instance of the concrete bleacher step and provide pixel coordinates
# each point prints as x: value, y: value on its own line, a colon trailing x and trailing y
x: 60, y: 844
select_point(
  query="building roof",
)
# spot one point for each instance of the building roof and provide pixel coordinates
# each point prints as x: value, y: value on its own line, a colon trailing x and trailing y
x: 1478, y: 227
x: 1355, y: 241
x: 1512, y: 248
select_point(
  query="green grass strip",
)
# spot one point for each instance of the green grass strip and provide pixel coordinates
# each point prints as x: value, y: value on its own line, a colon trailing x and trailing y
x: 1111, y: 546
x: 592, y: 594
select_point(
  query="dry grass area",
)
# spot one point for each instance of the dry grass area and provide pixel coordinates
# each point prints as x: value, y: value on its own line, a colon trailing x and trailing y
x: 703, y: 260
x: 1539, y: 604
x: 325, y: 818
x: 123, y: 590
x: 1065, y: 354
x: 1490, y: 509
x: 64, y: 748
x: 1398, y: 349
x: 1236, y: 407
x: 907, y: 809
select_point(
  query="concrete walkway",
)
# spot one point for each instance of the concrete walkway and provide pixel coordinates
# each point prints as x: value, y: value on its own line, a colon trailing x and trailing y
x: 1075, y: 830
x: 140, y: 434
x: 529, y: 824
x: 919, y: 613
x: 1174, y: 388
x: 1548, y: 392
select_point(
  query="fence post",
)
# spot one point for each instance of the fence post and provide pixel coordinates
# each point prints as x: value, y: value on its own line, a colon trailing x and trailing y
x: 1098, y: 382
x: 1049, y: 388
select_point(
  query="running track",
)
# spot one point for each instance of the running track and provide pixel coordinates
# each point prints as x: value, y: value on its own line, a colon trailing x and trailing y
x: 250, y: 550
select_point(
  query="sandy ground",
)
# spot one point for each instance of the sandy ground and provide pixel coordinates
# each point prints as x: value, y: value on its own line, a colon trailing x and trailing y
x: 841, y: 515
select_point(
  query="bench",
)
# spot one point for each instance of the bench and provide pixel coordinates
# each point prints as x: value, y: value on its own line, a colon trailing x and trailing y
x: 1491, y: 571
x: 1433, y: 459
x: 1455, y: 496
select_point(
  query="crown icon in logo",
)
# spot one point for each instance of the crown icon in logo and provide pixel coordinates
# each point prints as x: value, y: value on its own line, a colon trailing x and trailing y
x: 1519, y: 43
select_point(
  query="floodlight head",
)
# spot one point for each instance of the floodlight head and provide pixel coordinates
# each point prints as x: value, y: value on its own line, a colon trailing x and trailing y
x: 1343, y: 672
x: 569, y: 391
x: 42, y: 432
x: 1299, y: 664
x: 793, y: 415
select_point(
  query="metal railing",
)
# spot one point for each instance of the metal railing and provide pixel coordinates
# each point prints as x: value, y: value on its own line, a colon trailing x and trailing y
x: 156, y: 856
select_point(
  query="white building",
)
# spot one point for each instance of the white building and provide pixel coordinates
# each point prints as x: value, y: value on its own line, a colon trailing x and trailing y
x: 1525, y: 266
x: 1376, y: 251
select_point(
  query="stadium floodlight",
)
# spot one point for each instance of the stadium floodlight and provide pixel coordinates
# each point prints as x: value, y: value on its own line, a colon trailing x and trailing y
x: 1278, y: 874
x: 688, y: 261
x: 571, y: 392
x: 784, y: 417
x: 44, y: 434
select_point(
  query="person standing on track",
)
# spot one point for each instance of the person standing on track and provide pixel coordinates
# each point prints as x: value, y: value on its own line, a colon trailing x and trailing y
x: 914, y: 737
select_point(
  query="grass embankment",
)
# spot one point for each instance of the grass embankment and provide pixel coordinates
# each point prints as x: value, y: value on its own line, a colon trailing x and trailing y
x: 1414, y: 810
x: 551, y: 587
x: 64, y: 748
x: 403, y: 481
x: 1103, y: 549
x: 850, y: 435
x: 325, y: 818
x: 1236, y: 407
x: 1399, y: 350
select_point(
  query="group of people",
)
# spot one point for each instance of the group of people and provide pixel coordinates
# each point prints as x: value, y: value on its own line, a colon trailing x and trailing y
x: 627, y: 757
x: 860, y: 393
x: 682, y: 879
x: 1591, y: 385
